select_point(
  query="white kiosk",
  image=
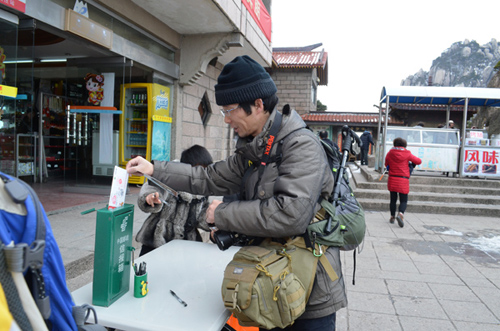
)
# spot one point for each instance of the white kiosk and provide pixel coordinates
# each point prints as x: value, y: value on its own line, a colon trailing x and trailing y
x: 438, y: 148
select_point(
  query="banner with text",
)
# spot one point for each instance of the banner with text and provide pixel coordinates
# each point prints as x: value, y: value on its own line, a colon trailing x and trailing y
x: 16, y: 4
x: 260, y: 15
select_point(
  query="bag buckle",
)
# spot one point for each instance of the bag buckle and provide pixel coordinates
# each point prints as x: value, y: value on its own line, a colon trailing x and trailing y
x: 314, y: 246
x: 235, y: 298
x: 320, y: 251
x: 230, y: 302
x: 22, y: 256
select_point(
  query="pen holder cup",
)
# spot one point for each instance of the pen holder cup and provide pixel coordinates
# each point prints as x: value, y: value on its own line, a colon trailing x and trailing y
x: 141, y: 285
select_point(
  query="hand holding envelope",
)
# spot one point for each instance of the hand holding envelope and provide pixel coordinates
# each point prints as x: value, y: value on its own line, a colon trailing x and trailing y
x: 139, y: 166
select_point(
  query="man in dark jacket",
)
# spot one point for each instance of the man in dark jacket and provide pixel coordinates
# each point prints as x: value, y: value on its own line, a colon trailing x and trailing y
x: 366, y: 139
x: 282, y: 200
x: 323, y: 135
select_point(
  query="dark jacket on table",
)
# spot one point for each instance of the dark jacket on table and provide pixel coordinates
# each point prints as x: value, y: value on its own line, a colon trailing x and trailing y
x: 282, y: 204
x: 398, y: 160
x: 180, y: 219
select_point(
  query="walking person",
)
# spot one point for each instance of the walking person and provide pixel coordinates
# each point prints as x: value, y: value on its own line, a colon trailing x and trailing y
x: 366, y: 139
x: 275, y: 201
x: 397, y: 161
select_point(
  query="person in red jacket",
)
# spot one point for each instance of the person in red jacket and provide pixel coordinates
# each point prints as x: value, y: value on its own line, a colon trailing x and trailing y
x: 398, y: 162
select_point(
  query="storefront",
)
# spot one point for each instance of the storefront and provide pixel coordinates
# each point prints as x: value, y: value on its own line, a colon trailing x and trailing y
x: 45, y: 133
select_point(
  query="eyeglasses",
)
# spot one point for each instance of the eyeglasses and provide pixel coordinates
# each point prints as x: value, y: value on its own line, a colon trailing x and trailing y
x: 225, y: 112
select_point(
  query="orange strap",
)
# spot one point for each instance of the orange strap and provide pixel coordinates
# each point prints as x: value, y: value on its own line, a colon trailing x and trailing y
x: 233, y: 322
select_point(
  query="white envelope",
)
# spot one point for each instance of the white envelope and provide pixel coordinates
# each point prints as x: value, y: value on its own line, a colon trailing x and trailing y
x: 118, y: 188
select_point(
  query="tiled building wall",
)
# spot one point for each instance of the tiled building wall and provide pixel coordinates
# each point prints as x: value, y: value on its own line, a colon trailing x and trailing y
x: 295, y: 88
x: 216, y: 135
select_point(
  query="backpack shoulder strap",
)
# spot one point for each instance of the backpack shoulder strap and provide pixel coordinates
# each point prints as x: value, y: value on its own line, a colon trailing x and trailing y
x: 299, y: 241
x: 266, y: 157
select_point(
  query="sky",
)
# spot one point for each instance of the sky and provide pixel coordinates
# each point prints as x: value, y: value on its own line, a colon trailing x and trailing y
x: 372, y: 44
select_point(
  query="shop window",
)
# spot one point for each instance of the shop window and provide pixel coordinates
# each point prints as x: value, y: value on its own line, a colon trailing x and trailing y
x: 314, y: 91
x: 205, y: 109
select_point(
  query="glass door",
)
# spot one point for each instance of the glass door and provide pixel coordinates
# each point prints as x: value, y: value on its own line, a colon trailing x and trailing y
x: 8, y: 102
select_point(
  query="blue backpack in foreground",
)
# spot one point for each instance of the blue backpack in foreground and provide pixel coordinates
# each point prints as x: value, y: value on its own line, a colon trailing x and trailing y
x: 28, y: 245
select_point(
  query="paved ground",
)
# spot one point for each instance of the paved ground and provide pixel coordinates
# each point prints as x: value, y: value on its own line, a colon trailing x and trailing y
x: 439, y: 272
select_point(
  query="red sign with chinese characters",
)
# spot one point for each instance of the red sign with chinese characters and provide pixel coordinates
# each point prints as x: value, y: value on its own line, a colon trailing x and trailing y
x: 481, y: 162
x: 259, y: 13
x: 16, y: 4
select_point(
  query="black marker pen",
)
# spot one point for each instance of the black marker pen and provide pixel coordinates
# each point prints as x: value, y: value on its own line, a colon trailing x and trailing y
x: 178, y: 299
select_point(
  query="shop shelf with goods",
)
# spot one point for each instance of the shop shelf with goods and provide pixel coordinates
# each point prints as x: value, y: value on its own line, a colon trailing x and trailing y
x: 60, y: 151
x: 26, y: 149
x: 145, y: 125
x: 7, y: 154
x: 59, y: 156
x: 16, y: 117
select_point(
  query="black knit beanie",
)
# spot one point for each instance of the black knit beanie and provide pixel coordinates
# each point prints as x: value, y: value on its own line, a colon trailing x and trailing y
x: 243, y: 80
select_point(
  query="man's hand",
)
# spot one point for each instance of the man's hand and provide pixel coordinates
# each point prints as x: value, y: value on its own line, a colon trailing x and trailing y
x: 139, y: 166
x: 153, y: 198
x: 211, y: 213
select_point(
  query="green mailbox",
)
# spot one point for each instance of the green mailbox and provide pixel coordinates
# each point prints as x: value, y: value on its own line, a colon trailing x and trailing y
x: 112, y: 254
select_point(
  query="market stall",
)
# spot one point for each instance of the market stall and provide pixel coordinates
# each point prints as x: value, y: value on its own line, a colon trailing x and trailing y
x: 483, y: 158
x: 438, y: 148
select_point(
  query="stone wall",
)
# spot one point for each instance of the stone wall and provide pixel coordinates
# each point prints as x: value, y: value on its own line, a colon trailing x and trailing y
x: 295, y: 88
x: 216, y: 135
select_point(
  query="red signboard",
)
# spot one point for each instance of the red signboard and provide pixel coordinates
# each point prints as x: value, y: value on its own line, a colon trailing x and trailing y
x: 259, y: 13
x: 481, y: 161
x: 16, y: 4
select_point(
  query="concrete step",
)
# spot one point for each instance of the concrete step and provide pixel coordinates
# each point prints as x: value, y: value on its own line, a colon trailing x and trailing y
x: 363, y: 193
x: 433, y: 207
x: 438, y: 194
x: 461, y: 190
x: 432, y: 178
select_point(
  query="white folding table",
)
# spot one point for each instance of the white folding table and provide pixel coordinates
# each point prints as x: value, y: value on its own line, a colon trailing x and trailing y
x: 193, y: 270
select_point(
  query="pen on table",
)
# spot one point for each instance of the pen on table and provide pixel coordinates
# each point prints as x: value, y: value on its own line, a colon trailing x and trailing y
x: 178, y: 299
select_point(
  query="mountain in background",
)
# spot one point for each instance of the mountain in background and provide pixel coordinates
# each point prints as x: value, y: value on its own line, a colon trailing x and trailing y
x: 464, y: 64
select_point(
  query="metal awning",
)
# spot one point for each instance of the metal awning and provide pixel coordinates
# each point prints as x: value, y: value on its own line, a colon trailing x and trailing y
x: 441, y: 95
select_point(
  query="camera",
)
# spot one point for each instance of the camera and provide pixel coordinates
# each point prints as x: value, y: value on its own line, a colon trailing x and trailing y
x: 226, y: 239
